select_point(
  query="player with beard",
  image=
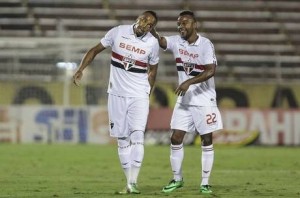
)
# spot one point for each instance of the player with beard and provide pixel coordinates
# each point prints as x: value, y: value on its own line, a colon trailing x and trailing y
x: 196, y: 108
x: 133, y: 69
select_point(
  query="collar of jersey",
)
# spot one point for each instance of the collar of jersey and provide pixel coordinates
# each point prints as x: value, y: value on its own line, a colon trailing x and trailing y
x: 195, y: 43
x: 132, y: 33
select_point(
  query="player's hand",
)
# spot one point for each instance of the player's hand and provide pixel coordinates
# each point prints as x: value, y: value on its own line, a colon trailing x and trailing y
x: 182, y: 88
x: 77, y: 77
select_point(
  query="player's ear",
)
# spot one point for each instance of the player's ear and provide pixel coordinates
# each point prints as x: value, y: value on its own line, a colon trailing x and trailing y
x: 152, y: 28
x: 196, y: 25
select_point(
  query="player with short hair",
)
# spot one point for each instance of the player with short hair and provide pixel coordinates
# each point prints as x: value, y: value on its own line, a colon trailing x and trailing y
x: 133, y: 69
x: 196, y: 108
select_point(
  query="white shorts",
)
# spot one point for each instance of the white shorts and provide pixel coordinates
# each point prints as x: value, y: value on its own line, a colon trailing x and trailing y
x: 127, y: 115
x: 195, y: 118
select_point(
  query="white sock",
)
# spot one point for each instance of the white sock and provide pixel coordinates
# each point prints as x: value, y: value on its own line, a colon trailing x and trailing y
x: 134, y: 173
x: 176, y: 158
x: 137, y: 154
x: 207, y: 163
x: 124, y: 156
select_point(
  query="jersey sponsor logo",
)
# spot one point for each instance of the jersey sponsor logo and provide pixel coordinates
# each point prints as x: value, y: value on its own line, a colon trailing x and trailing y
x: 186, y: 53
x: 128, y: 62
x: 188, y: 67
x: 132, y: 48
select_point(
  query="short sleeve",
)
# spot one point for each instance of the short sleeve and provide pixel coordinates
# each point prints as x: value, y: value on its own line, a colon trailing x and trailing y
x: 108, y: 39
x: 170, y: 42
x: 209, y: 53
x: 154, y: 56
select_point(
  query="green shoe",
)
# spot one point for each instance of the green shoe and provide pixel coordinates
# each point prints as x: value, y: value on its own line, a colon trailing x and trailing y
x: 129, y: 189
x: 132, y: 188
x: 172, y: 186
x: 205, y: 189
x: 123, y: 191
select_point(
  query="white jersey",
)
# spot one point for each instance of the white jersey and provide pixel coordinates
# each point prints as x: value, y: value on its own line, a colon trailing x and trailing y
x: 190, y: 61
x: 129, y: 61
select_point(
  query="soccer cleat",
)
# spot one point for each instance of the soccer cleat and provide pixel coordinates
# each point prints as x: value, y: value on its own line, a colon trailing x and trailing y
x: 129, y: 189
x: 123, y: 191
x: 205, y: 189
x: 132, y: 188
x: 172, y: 186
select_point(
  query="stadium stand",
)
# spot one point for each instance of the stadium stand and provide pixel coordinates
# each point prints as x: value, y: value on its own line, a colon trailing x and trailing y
x: 11, y: 3
x: 254, y: 39
x: 64, y: 4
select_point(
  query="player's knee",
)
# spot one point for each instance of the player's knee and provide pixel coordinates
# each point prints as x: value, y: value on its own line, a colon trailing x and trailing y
x: 123, y: 144
x: 177, y: 138
x: 137, y: 148
x: 124, y: 152
x: 137, y: 137
x: 175, y: 141
x: 206, y: 139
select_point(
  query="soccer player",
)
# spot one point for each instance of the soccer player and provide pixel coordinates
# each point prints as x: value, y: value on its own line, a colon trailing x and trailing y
x: 133, y: 68
x: 196, y: 108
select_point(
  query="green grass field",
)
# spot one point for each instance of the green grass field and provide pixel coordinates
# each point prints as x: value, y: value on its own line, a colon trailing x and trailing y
x: 94, y: 171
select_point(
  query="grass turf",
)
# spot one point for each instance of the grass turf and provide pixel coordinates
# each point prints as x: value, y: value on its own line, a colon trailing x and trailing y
x: 94, y: 171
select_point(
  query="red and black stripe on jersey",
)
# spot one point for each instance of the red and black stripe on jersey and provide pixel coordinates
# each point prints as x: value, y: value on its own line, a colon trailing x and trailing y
x: 137, y: 67
x: 197, y: 68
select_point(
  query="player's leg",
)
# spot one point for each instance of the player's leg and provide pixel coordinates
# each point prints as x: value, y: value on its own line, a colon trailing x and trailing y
x: 207, y: 160
x: 136, y: 158
x: 177, y: 153
x: 137, y: 119
x: 129, y: 150
x: 180, y: 123
x: 124, y: 156
x: 176, y: 158
x: 209, y: 122
x: 133, y: 164
x: 117, y: 108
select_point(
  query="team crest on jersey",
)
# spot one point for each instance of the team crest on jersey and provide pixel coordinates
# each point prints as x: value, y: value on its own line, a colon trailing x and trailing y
x: 128, y: 62
x: 188, y: 67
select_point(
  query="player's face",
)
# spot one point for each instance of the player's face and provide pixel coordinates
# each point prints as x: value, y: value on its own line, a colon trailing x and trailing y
x: 186, y: 26
x: 144, y: 24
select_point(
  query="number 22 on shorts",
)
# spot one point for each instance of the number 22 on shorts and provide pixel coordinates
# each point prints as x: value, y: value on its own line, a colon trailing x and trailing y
x: 211, y: 118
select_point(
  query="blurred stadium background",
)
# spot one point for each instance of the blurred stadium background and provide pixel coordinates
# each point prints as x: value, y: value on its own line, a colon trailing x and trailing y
x: 42, y: 42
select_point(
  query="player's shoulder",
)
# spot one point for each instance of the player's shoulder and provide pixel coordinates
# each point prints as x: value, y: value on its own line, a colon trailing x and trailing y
x: 205, y: 40
x: 123, y: 27
x: 150, y: 38
x: 174, y: 38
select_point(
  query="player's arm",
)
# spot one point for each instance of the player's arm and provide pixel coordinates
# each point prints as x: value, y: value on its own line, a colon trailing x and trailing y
x: 161, y: 40
x: 86, y: 60
x: 207, y: 74
x: 152, y: 75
